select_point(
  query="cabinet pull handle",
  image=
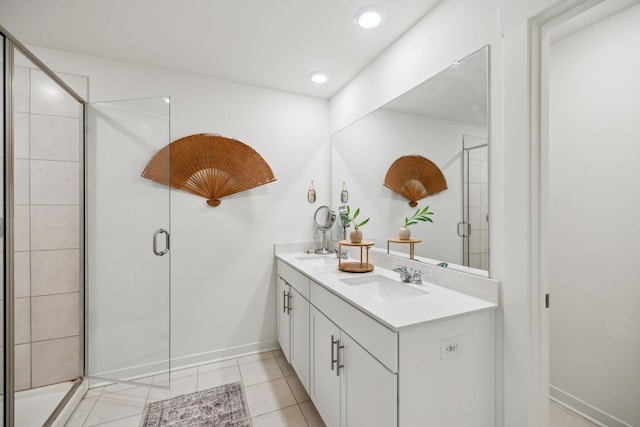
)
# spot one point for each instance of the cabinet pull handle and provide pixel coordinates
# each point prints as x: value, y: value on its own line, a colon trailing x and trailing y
x: 285, y: 302
x: 335, y: 355
x: 340, y: 365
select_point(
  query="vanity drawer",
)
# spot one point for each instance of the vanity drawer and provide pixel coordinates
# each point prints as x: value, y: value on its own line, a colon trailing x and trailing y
x: 376, y: 338
x: 293, y: 277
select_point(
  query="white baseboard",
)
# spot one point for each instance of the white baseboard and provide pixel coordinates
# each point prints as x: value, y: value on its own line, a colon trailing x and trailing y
x: 584, y: 409
x: 130, y: 374
x: 226, y: 353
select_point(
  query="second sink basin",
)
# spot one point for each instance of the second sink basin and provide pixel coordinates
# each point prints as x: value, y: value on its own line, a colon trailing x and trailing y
x: 382, y: 288
x: 319, y: 260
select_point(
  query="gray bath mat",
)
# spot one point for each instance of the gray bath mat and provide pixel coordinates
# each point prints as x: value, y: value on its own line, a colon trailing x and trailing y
x: 222, y: 406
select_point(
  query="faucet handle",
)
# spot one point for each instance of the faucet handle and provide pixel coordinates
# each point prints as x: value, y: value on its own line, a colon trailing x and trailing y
x: 416, y: 277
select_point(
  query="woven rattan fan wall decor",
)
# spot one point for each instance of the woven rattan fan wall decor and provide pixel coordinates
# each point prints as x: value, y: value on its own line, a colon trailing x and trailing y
x: 210, y: 166
x: 415, y: 177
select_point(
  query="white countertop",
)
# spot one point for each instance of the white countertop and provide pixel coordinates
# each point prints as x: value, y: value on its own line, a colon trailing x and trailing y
x: 437, y: 303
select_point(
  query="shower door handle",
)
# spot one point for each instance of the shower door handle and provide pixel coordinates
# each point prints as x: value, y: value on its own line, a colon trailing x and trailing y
x: 155, y: 241
x: 466, y: 229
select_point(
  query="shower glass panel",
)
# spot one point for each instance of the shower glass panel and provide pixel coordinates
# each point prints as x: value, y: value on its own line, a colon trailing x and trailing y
x: 128, y: 219
x: 474, y: 228
x: 2, y: 232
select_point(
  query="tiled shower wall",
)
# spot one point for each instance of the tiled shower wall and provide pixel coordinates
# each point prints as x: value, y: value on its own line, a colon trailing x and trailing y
x: 48, y: 305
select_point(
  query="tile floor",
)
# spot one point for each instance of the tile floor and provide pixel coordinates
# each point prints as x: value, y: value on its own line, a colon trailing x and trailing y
x: 274, y: 395
x: 560, y: 417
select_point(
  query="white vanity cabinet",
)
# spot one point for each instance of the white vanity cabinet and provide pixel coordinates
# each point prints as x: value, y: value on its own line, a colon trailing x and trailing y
x: 363, y: 371
x: 349, y: 387
x: 293, y: 319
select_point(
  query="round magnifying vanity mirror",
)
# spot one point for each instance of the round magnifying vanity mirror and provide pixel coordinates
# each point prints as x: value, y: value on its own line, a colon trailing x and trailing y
x: 324, y: 219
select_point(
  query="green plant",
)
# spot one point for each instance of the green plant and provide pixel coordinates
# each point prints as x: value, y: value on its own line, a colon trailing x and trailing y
x: 420, y: 215
x: 351, y: 219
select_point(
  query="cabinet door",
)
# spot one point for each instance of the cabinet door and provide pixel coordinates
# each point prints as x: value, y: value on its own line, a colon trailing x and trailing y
x: 369, y: 390
x: 325, y: 382
x: 284, y: 331
x: 300, y: 336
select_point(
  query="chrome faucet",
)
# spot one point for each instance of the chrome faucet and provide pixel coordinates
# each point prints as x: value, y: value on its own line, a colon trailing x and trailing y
x: 343, y: 255
x: 405, y: 275
x: 408, y: 275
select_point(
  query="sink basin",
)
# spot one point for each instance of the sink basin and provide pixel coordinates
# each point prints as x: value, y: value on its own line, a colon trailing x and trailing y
x: 382, y: 288
x: 319, y: 260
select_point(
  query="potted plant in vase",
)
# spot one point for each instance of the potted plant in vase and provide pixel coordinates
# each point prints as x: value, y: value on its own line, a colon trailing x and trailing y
x: 356, y: 234
x: 420, y: 215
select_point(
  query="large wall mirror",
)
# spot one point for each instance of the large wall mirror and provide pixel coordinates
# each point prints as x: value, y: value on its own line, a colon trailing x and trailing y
x: 446, y: 120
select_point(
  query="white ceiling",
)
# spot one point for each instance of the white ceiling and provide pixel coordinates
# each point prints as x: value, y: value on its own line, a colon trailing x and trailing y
x: 269, y: 43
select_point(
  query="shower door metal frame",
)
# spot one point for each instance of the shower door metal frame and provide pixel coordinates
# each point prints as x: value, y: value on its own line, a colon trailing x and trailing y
x: 10, y: 45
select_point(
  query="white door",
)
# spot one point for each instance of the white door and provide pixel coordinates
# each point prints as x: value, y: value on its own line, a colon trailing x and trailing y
x: 325, y: 368
x: 300, y: 336
x: 369, y: 389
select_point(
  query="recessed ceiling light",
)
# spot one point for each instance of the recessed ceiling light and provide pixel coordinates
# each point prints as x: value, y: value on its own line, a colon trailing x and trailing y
x: 319, y: 77
x: 369, y: 16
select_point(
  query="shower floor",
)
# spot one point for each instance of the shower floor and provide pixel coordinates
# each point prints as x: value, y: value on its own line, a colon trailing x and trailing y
x: 34, y: 406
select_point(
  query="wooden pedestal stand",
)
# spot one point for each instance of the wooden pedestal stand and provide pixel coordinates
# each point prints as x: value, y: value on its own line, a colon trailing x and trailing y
x: 355, y: 267
x: 410, y: 241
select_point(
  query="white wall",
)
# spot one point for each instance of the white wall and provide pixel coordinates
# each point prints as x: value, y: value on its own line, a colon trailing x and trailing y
x: 223, y: 278
x: 451, y: 31
x: 594, y: 147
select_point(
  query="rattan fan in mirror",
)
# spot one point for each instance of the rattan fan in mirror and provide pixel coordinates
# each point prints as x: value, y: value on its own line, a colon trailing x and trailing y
x: 415, y: 177
x: 210, y: 166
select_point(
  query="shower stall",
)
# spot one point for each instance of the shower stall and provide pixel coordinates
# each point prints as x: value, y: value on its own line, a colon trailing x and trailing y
x: 474, y: 228
x: 85, y: 240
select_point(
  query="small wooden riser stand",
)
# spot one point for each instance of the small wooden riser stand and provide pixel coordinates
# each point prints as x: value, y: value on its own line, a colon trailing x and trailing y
x: 356, y: 267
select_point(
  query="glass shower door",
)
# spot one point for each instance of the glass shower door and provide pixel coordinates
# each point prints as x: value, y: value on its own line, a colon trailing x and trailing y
x: 474, y: 228
x: 128, y: 258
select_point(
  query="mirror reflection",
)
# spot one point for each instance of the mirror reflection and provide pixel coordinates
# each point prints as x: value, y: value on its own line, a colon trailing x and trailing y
x: 444, y: 119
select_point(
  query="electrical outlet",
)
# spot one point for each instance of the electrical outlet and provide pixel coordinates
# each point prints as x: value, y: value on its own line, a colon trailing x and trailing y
x: 450, y: 347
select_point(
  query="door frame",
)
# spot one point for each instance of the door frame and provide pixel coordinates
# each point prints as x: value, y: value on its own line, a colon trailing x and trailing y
x: 539, y: 43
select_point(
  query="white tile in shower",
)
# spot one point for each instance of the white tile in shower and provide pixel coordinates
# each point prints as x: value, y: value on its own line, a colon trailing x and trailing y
x: 474, y: 242
x: 484, y: 172
x: 484, y: 240
x: 484, y: 260
x: 55, y: 183
x: 55, y: 138
x: 48, y: 98
x: 22, y: 228
x: 484, y: 195
x: 55, y: 272
x: 474, y: 194
x: 21, y: 135
x: 474, y: 171
x: 21, y: 90
x: 475, y: 260
x: 55, y: 361
x: 55, y: 227
x: 21, y: 181
x: 484, y: 217
x: 55, y: 316
x: 22, y: 274
x: 474, y: 218
x: 22, y: 367
x: 22, y: 323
